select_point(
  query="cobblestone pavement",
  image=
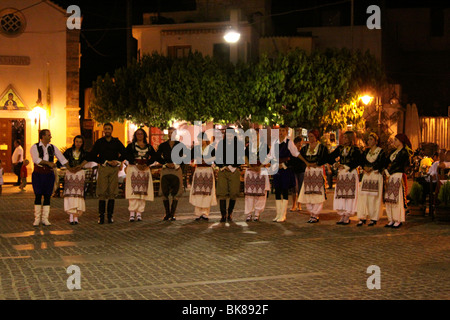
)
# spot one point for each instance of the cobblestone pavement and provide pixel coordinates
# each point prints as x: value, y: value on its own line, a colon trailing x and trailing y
x: 186, y: 259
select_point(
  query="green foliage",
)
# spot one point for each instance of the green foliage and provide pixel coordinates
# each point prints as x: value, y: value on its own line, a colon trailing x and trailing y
x: 416, y: 194
x: 444, y: 195
x: 294, y: 88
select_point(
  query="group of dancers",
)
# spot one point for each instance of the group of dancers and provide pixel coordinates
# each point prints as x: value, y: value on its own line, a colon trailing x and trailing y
x: 383, y: 176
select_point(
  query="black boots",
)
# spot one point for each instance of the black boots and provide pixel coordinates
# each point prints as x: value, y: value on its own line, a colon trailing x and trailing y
x: 170, y: 210
x: 101, y: 211
x: 223, y: 210
x: 230, y: 209
x: 167, y: 208
x: 173, y: 209
x: 110, y: 210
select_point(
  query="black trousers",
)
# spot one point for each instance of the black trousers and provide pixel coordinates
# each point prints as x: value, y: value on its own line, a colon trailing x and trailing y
x: 16, y: 171
x: 170, y: 185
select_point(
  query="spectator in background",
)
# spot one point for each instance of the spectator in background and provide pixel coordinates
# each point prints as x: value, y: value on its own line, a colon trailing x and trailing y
x: 1, y: 177
x: 24, y: 175
x: 17, y: 160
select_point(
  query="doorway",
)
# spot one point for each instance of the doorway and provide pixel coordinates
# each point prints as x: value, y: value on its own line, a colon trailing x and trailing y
x: 11, y: 130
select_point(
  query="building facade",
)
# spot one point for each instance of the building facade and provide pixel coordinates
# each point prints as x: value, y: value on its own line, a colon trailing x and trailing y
x: 39, y: 66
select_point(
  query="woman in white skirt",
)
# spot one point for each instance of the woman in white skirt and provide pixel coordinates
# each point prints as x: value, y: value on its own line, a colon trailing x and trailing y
x: 370, y: 197
x: 203, y: 190
x: 256, y: 186
x: 138, y: 181
x: 347, y: 158
x: 395, y: 192
x: 312, y: 192
x: 74, y: 204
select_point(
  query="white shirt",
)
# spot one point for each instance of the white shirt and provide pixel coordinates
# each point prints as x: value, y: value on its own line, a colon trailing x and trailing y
x: 433, y: 171
x: 17, y: 155
x: 35, y: 154
x: 291, y: 146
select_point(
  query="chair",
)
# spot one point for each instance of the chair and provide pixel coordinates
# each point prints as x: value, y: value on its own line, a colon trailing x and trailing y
x: 90, y: 182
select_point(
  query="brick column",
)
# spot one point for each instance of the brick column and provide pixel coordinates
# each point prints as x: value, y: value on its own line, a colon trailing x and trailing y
x: 73, y: 85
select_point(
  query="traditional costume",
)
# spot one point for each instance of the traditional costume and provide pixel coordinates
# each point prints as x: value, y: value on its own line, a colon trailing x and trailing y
x: 312, y: 192
x: 369, y: 203
x: 171, y: 179
x: 347, y: 183
x: 395, y: 192
x: 74, y: 204
x: 108, y: 175
x: 229, y: 175
x: 256, y: 185
x: 203, y: 190
x: 43, y: 179
x: 284, y: 179
x: 139, y: 183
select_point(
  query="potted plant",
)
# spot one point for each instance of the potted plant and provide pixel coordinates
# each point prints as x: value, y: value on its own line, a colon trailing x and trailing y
x: 416, y: 205
x: 442, y: 211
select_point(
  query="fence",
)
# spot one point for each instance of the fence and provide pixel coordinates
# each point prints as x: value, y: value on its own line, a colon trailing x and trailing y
x: 436, y: 130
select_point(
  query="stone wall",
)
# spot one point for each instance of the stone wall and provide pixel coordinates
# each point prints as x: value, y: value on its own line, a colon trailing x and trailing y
x: 73, y: 85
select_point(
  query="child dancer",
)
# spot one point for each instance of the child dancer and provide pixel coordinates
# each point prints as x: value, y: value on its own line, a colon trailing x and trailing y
x: 23, y: 175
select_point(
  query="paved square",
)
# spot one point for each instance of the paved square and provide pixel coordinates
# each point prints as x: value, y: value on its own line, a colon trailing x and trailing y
x: 186, y: 259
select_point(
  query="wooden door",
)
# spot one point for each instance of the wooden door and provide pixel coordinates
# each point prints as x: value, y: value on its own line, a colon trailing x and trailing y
x: 11, y: 130
x: 5, y: 144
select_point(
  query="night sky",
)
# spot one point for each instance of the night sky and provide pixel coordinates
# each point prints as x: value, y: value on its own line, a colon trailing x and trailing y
x: 103, y: 36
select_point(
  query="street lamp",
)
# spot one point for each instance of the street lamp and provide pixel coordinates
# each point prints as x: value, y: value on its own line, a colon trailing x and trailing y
x: 232, y: 36
x: 36, y: 114
x: 366, y: 99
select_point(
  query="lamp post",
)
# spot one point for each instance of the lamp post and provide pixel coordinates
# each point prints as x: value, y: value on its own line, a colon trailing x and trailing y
x: 378, y: 108
x: 232, y: 36
x: 36, y: 114
x: 367, y: 99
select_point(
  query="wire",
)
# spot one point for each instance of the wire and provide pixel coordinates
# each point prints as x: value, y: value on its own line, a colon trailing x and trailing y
x: 31, y: 6
x: 92, y: 47
x: 250, y: 23
x: 308, y: 9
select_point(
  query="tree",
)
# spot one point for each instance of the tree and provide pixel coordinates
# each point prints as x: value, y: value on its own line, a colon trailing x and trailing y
x: 295, y: 88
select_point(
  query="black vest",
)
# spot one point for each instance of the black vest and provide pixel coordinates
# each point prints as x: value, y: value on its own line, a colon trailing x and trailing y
x: 50, y: 149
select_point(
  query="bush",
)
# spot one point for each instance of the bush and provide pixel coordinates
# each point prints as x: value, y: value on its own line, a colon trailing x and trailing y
x: 444, y: 195
x: 416, y: 194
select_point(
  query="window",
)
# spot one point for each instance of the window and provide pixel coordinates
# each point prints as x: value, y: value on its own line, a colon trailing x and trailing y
x: 178, y: 51
x: 12, y: 22
x: 221, y: 51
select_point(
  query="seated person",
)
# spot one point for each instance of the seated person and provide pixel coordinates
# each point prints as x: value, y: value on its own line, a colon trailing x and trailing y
x: 431, y: 176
